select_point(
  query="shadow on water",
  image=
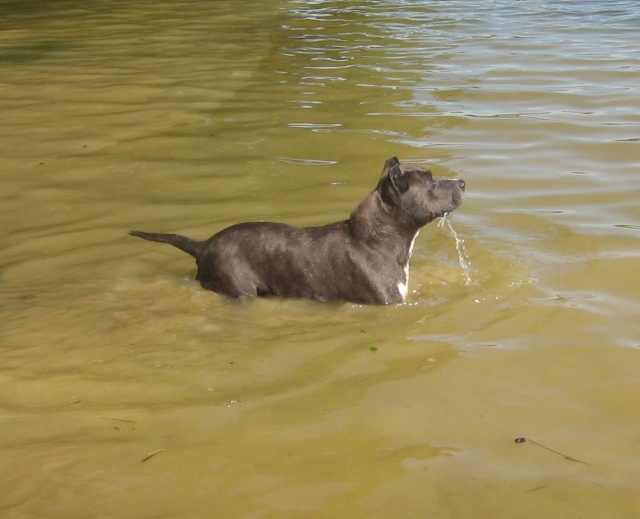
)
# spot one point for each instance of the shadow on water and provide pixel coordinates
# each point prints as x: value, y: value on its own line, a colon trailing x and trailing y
x: 30, y: 52
x: 32, y: 30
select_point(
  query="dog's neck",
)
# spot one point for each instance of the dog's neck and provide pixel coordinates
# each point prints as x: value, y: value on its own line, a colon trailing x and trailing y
x: 384, y: 227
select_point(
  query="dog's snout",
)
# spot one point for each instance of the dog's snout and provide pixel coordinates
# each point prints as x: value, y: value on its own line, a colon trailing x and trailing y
x: 462, y: 184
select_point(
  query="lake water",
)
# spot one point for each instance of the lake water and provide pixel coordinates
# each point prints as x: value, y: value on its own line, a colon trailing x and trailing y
x: 187, y: 116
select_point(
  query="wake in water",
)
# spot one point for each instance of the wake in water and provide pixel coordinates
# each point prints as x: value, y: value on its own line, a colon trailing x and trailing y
x: 463, y: 257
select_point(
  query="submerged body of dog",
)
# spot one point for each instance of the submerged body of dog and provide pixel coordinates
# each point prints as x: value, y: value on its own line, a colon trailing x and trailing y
x: 362, y: 260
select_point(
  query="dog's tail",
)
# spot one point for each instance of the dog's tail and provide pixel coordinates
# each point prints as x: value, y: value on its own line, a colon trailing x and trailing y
x: 188, y: 245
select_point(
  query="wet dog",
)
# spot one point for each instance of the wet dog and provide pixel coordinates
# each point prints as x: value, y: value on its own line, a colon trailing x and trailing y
x: 364, y: 259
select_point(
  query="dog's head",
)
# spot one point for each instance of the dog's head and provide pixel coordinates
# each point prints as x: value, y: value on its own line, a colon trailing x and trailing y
x: 416, y: 193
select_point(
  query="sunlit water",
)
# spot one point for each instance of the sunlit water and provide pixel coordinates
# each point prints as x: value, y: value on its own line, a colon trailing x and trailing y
x: 186, y: 117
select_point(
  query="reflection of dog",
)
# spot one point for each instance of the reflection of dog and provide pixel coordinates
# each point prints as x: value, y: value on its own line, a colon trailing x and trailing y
x: 364, y: 259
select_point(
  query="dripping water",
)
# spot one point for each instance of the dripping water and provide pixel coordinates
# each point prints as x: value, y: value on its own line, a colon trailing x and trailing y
x: 463, y: 257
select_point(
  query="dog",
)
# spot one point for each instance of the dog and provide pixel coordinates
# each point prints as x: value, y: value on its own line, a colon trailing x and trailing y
x: 364, y: 259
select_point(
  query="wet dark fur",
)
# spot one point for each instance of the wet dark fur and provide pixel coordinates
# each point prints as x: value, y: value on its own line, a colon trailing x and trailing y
x: 364, y: 259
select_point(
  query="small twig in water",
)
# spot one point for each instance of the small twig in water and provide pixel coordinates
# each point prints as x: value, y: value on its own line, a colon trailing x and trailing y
x: 72, y: 403
x: 522, y: 440
x: 118, y: 419
x: 151, y: 455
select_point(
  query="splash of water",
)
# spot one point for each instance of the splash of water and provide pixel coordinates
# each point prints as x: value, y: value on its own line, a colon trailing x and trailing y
x: 463, y: 257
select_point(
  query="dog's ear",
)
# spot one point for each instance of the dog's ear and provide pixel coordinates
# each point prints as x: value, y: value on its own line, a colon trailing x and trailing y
x: 392, y: 182
x: 393, y: 172
x: 398, y: 178
x: 388, y: 166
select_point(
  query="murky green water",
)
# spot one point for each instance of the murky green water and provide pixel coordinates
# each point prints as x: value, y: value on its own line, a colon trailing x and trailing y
x: 189, y: 116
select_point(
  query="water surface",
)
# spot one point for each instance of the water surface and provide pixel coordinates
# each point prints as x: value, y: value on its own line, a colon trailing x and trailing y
x: 189, y: 116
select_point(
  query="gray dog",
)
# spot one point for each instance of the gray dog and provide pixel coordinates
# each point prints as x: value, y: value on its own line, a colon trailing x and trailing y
x: 364, y: 259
